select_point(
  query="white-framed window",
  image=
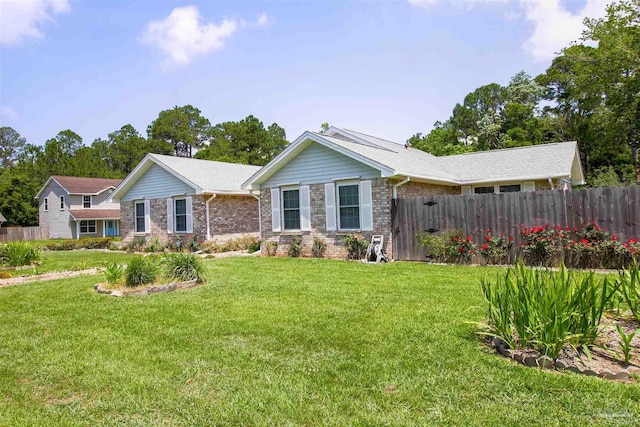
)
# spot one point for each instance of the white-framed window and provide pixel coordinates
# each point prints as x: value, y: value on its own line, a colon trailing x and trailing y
x: 484, y: 190
x: 46, y: 204
x: 87, y: 226
x: 86, y: 202
x: 349, y: 206
x: 514, y: 188
x: 61, y: 203
x: 291, y: 208
x: 180, y: 215
x: 141, y: 216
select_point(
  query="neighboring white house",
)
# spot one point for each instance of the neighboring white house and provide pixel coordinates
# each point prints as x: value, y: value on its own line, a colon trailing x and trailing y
x: 327, y: 184
x: 74, y: 207
x: 2, y: 220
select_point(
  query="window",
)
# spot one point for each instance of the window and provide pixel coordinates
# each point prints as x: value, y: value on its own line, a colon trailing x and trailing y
x: 86, y: 202
x: 61, y: 203
x: 180, y: 210
x: 510, y: 188
x: 349, y: 207
x: 88, y: 226
x: 140, y: 217
x: 46, y: 204
x: 484, y: 190
x: 291, y: 209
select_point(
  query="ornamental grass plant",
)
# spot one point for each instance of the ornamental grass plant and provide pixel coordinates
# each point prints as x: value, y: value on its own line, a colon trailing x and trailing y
x: 17, y: 254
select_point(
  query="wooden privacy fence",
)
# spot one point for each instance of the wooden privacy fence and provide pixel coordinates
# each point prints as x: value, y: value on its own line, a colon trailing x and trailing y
x: 616, y: 209
x: 13, y: 234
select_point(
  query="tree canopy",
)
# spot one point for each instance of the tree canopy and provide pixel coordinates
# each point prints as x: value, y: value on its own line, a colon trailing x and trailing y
x: 182, y: 127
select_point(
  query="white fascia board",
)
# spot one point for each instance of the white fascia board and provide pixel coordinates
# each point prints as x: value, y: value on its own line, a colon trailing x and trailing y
x: 428, y: 179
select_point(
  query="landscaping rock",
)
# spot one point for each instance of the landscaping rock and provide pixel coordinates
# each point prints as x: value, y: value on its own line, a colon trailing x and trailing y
x: 574, y: 368
x: 589, y: 372
x: 605, y: 373
x: 561, y: 364
x: 117, y: 293
x: 621, y: 375
x: 530, y: 361
x: 518, y: 357
x: 545, y: 362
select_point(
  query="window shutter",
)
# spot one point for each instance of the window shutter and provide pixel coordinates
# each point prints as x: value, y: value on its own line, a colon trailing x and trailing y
x: 366, y: 206
x: 330, y: 205
x: 305, y: 208
x: 275, y: 209
x: 466, y: 190
x: 147, y: 216
x: 529, y: 186
x: 189, y: 207
x: 169, y: 215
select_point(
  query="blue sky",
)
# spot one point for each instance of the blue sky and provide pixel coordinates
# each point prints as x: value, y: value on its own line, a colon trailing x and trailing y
x: 389, y: 67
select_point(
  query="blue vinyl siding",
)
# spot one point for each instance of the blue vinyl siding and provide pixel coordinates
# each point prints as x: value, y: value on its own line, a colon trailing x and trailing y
x: 156, y: 183
x: 318, y: 164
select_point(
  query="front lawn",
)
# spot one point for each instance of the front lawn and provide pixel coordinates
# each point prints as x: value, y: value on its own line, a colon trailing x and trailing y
x: 271, y: 341
x: 72, y: 260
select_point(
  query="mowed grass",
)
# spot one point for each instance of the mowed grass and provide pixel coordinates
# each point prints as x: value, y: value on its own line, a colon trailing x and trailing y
x: 72, y: 260
x: 281, y: 342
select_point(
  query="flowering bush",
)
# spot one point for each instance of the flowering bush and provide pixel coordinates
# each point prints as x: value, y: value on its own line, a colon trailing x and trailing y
x: 187, y: 243
x: 356, y: 245
x: 542, y: 245
x: 318, y: 247
x: 495, y: 249
x: 448, y: 246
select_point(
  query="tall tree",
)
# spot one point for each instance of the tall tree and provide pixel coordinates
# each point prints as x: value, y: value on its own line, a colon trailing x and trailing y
x: 11, y: 146
x: 246, y: 141
x: 182, y: 127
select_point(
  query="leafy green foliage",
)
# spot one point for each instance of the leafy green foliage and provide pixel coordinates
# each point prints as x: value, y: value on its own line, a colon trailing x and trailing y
x: 318, y: 248
x: 356, y: 245
x: 16, y: 254
x: 625, y: 342
x: 448, y: 246
x: 141, y: 271
x: 184, y: 266
x: 496, y: 249
x: 113, y: 272
x: 11, y: 146
x: 547, y: 310
x: 295, y: 247
x: 86, y: 243
x: 182, y: 127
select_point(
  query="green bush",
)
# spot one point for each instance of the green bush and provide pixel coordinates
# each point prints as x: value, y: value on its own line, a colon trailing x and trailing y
x: 184, y: 266
x: 136, y: 245
x: 547, y: 310
x: 448, y: 246
x: 154, y: 246
x: 113, y: 272
x: 318, y: 248
x: 356, y: 245
x: 295, y: 248
x: 141, y: 271
x: 271, y: 248
x: 16, y: 254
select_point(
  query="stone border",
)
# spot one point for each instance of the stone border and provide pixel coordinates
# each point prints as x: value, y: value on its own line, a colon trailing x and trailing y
x: 534, y: 359
x: 169, y: 287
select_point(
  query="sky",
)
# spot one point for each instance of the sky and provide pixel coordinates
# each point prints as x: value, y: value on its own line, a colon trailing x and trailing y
x: 389, y: 68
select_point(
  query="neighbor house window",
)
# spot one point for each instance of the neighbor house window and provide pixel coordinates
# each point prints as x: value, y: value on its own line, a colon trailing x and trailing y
x: 510, y: 188
x: 46, y: 204
x: 349, y: 207
x: 88, y: 226
x: 61, y: 202
x: 291, y: 209
x: 180, y: 215
x: 140, y: 217
x: 484, y: 190
x: 86, y: 202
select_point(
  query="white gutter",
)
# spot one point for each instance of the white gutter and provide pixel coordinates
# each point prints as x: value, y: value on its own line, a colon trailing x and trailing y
x: 395, y: 186
x: 259, y: 213
x: 206, y: 204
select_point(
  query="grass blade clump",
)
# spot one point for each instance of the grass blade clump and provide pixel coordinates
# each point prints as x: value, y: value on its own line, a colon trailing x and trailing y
x: 630, y: 285
x: 16, y: 254
x: 547, y: 310
x: 141, y: 271
x: 113, y: 272
x: 184, y: 266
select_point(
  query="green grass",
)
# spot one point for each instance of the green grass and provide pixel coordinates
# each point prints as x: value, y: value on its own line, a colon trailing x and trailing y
x: 72, y: 260
x: 271, y: 341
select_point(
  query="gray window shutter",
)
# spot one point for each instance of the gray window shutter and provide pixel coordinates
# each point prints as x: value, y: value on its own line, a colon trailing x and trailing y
x: 330, y: 205
x: 189, y: 214
x: 170, y: 215
x: 305, y: 208
x: 366, y: 206
x: 466, y: 190
x: 529, y: 186
x: 275, y: 209
x: 147, y: 216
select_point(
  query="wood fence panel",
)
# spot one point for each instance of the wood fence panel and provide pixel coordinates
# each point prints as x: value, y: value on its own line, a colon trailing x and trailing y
x: 14, y: 234
x: 616, y: 209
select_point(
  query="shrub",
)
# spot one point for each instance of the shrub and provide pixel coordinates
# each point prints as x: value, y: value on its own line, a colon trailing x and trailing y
x: 184, y: 266
x: 271, y: 248
x: 542, y: 245
x: 192, y: 244
x: 141, y: 271
x: 113, y: 272
x: 94, y: 243
x: 136, y: 245
x: 356, y: 245
x: 154, y: 246
x: 15, y: 254
x: 547, y: 310
x: 295, y: 247
x: 247, y: 242
x: 496, y: 249
x: 254, y: 246
x: 69, y: 245
x: 318, y: 248
x: 448, y: 246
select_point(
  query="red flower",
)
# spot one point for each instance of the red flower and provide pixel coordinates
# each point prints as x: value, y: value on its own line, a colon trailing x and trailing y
x: 634, y: 240
x: 585, y: 241
x: 485, y: 247
x: 460, y: 249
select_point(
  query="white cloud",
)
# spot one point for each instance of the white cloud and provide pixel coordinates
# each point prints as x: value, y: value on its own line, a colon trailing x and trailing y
x: 8, y: 113
x: 262, y: 20
x: 22, y: 19
x: 554, y: 27
x: 182, y: 37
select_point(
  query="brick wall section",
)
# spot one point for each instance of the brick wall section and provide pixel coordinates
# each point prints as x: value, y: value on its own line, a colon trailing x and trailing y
x: 382, y: 191
x: 228, y: 215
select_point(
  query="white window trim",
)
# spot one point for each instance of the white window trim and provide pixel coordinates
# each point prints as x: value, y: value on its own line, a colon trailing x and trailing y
x: 46, y: 204
x: 88, y: 221
x: 344, y: 184
x: 90, y: 201
x: 282, y: 190
x: 135, y: 216
x: 175, y: 214
x: 62, y: 203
